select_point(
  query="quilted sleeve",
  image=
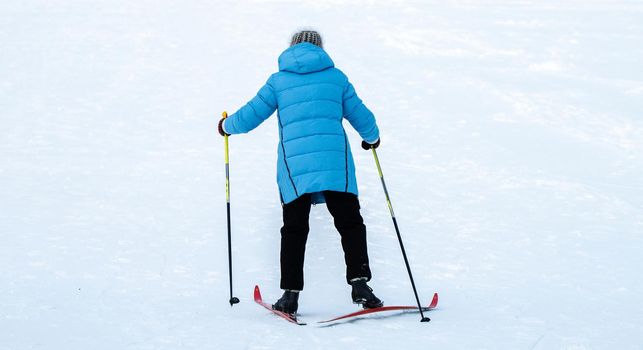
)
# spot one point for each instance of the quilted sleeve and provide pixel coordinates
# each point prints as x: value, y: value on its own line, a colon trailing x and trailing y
x: 360, y: 117
x: 253, y: 113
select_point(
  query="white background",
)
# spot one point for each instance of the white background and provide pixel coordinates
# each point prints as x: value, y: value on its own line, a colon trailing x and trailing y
x: 512, y: 146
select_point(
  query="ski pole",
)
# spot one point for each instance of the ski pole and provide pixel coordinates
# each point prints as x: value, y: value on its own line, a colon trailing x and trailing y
x: 233, y: 300
x: 399, y: 237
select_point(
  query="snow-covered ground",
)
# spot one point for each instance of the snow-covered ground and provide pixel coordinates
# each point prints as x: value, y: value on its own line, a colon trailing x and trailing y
x: 512, y: 146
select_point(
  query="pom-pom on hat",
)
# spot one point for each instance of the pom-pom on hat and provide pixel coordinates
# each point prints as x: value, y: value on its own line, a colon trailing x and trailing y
x: 307, y: 36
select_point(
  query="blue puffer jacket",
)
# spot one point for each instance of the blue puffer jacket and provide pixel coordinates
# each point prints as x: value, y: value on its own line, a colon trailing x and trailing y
x: 312, y: 98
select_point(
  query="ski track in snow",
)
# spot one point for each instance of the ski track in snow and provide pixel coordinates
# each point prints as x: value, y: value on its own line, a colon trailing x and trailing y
x: 511, y: 146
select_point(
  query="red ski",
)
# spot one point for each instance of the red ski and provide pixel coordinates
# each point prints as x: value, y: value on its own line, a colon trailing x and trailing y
x: 287, y: 317
x: 433, y: 305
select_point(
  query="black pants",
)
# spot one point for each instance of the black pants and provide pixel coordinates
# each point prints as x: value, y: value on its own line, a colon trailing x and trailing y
x: 344, y: 207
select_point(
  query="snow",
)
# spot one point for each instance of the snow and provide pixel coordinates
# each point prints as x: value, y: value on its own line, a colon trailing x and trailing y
x: 511, y: 147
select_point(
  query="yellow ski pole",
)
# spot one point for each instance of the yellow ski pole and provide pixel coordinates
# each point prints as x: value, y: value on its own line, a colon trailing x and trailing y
x: 399, y: 237
x: 233, y: 299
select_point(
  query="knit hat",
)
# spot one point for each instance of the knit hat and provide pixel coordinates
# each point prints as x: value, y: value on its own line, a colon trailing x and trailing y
x: 306, y: 36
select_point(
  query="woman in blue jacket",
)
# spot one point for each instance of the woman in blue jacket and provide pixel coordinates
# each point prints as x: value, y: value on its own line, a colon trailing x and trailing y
x: 314, y: 162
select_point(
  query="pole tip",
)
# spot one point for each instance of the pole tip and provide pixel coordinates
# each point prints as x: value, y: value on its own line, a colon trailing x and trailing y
x: 234, y: 300
x: 425, y: 319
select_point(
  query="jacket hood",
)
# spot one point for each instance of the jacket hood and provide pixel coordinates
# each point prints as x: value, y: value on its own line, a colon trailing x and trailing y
x: 304, y: 58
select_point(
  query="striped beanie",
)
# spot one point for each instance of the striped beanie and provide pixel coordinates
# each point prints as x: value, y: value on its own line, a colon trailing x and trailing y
x: 306, y: 36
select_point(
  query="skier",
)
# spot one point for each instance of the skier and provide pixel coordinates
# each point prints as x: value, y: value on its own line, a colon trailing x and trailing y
x: 314, y: 161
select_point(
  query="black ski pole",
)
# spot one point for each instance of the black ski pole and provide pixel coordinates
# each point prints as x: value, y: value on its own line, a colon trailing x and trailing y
x: 399, y: 237
x: 233, y: 300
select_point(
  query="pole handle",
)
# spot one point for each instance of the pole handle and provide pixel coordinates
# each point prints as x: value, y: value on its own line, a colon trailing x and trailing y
x: 225, y: 138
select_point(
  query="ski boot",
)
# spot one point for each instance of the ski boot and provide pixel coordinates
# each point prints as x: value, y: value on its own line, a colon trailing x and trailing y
x: 363, y: 294
x: 288, y: 302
